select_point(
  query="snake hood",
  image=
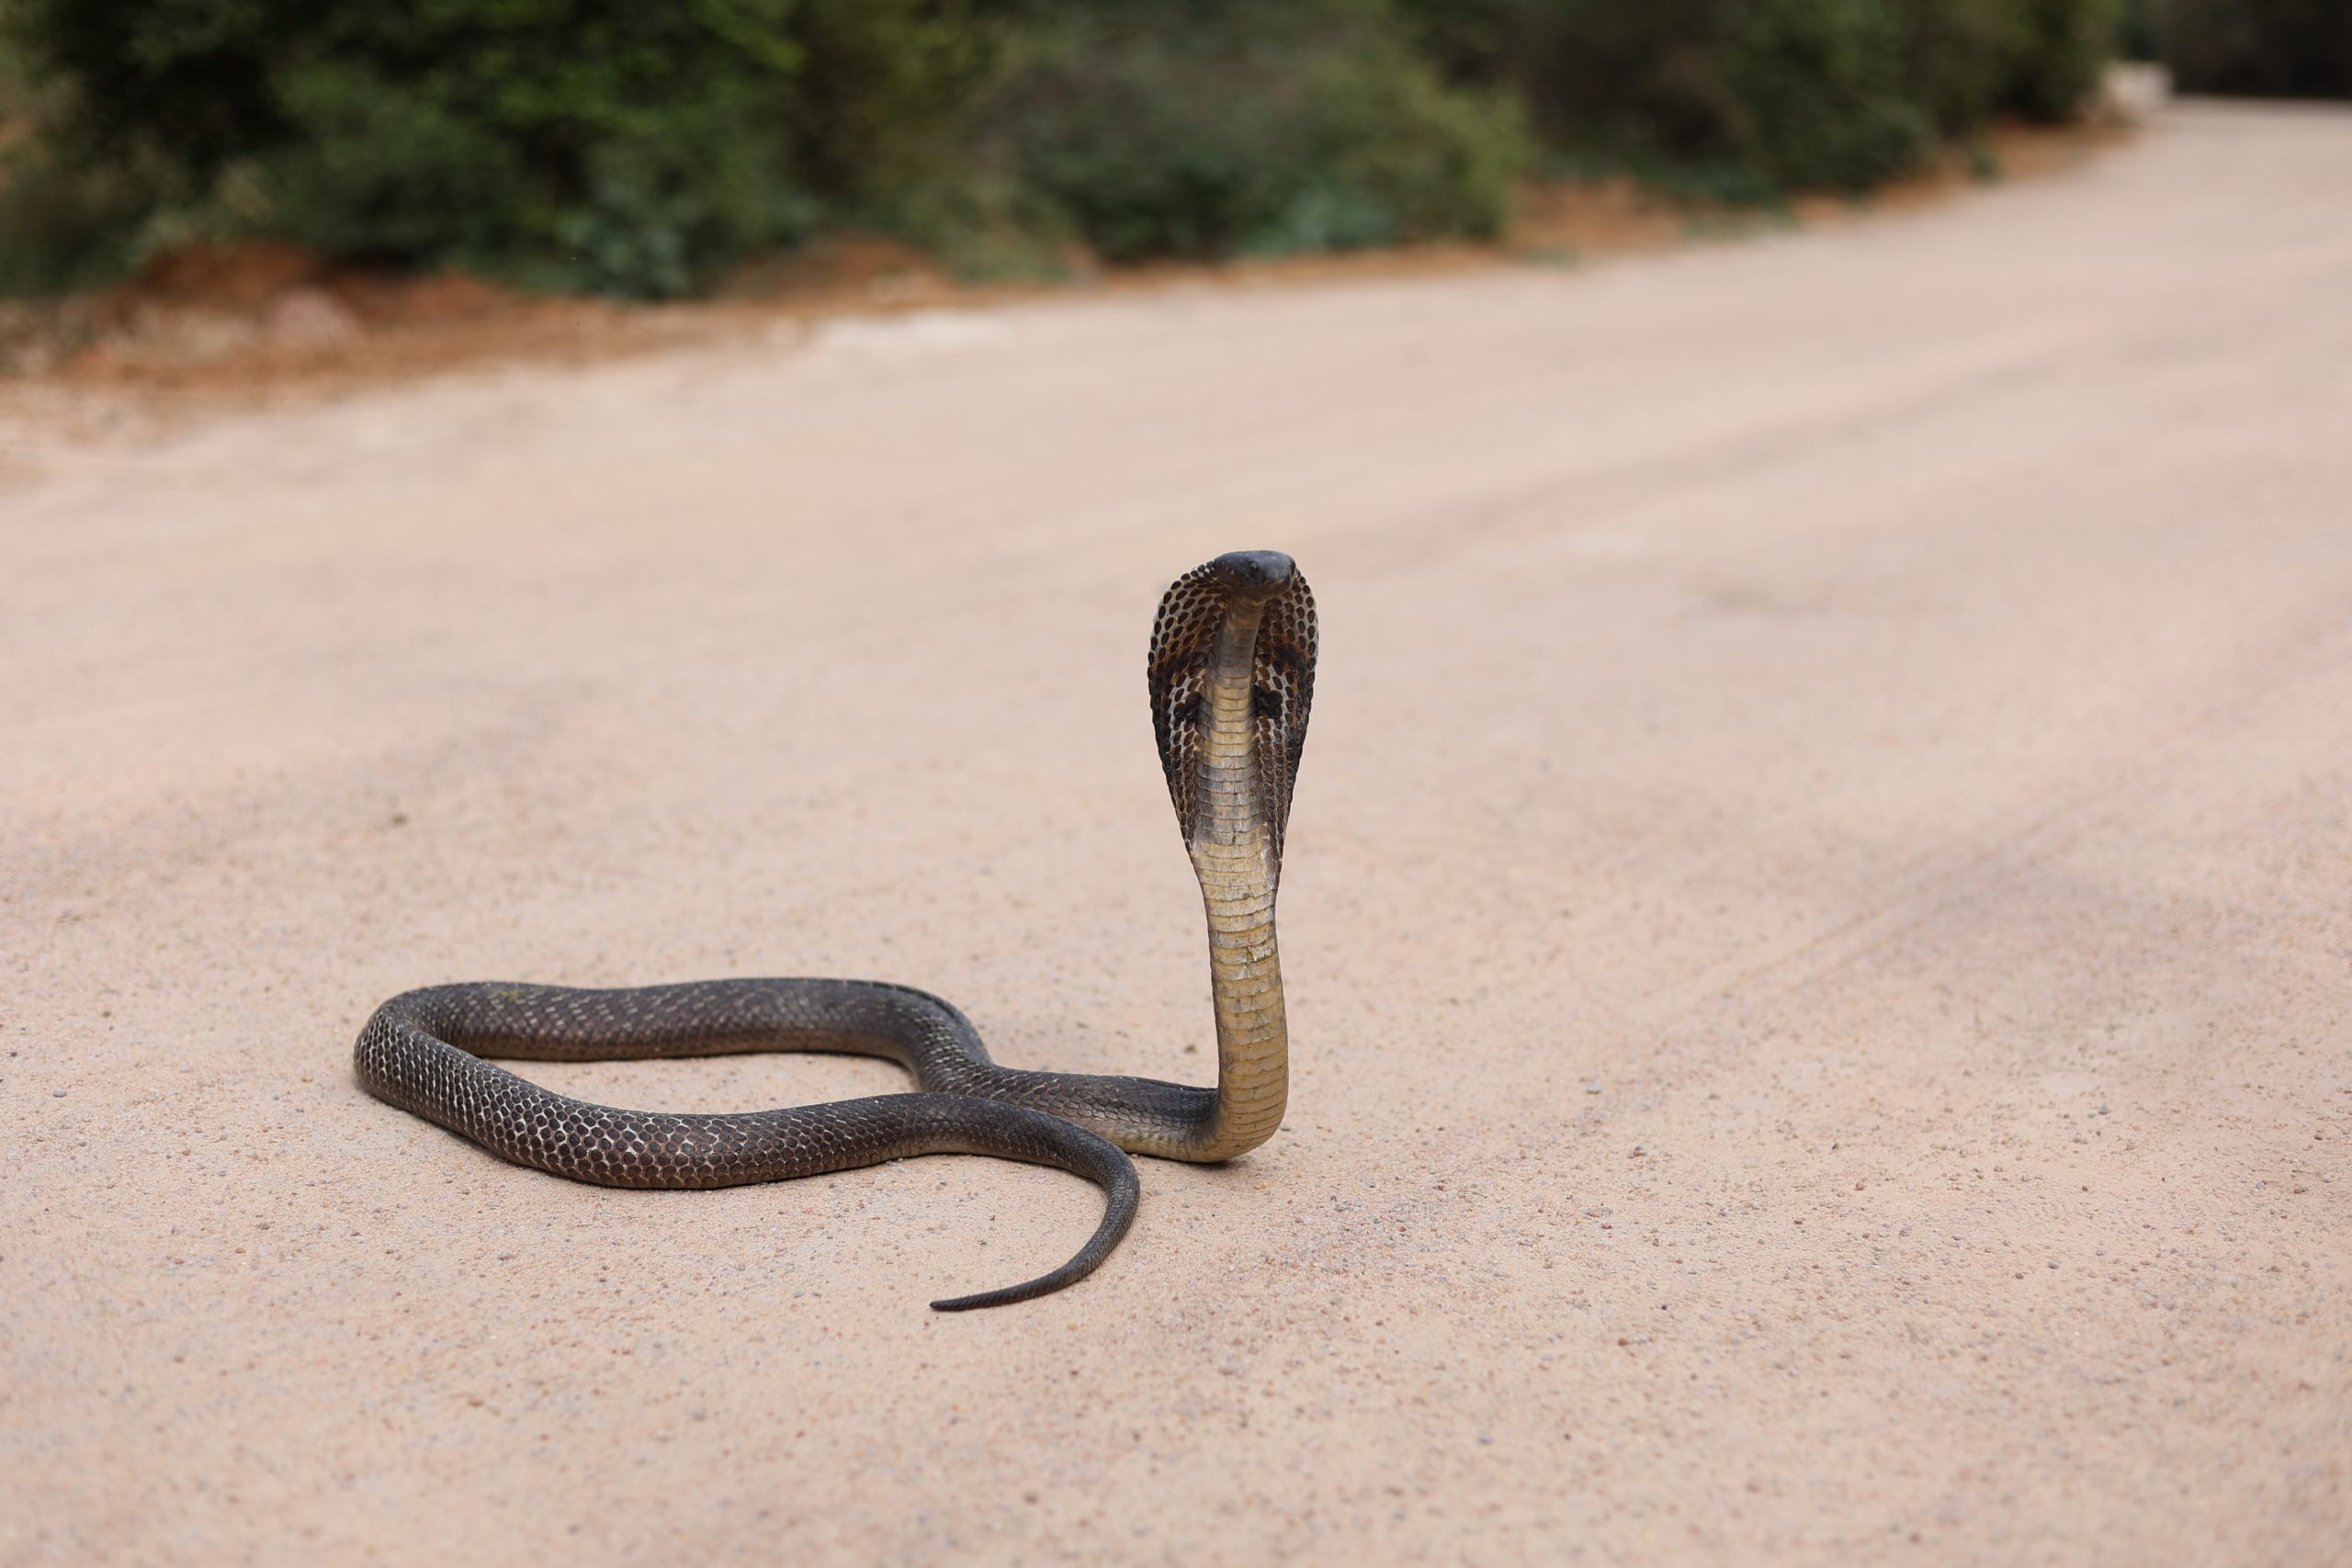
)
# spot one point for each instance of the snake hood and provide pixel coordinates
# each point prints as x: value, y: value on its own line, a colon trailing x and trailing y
x: 1243, y: 624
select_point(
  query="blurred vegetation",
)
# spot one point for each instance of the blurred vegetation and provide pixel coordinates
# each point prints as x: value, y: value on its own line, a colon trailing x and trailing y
x: 2300, y: 48
x: 576, y: 145
x: 1782, y: 94
x: 645, y: 150
x: 1254, y: 133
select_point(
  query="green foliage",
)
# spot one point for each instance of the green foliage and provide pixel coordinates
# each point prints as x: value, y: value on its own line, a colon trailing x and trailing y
x: 589, y: 144
x: 644, y: 149
x: 1151, y: 149
x: 884, y: 91
x: 1436, y: 159
x: 1177, y: 146
x: 2058, y: 58
x: 1836, y: 94
x: 63, y: 228
x: 2299, y: 49
x: 1820, y: 90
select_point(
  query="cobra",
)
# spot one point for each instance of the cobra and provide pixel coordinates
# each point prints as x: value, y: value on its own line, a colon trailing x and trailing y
x: 1230, y: 672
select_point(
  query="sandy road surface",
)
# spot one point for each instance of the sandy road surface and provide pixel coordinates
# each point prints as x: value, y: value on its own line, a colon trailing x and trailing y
x: 1819, y: 921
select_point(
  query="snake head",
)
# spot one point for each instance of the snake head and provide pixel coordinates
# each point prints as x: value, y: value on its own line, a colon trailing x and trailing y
x: 1252, y: 574
x: 1260, y: 598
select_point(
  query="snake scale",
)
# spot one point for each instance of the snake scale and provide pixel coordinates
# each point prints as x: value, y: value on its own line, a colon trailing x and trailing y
x: 1230, y: 672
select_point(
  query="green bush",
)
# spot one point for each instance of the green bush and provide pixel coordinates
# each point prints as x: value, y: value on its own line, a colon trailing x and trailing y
x: 646, y: 148
x: 1160, y: 145
x: 2059, y: 61
x: 61, y: 227
x: 640, y: 150
x: 1395, y: 137
x: 1819, y: 95
x: 1835, y: 93
x: 589, y: 144
x: 2300, y: 48
x: 885, y: 92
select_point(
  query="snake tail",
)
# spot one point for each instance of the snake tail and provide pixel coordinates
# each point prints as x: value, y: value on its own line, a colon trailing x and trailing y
x: 417, y: 1053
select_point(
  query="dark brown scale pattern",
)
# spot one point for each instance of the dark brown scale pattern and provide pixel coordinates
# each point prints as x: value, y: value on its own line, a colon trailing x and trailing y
x: 1283, y: 690
x: 424, y: 1050
x: 1184, y: 642
x: 418, y: 1053
x: 1176, y: 673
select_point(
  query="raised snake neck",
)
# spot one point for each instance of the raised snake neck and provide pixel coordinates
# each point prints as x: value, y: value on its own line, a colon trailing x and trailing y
x: 1230, y: 674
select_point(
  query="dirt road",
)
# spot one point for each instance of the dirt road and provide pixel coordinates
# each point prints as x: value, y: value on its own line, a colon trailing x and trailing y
x: 1819, y: 919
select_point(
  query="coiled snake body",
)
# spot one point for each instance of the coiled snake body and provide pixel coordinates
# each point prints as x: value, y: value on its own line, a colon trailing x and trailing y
x: 1231, y: 674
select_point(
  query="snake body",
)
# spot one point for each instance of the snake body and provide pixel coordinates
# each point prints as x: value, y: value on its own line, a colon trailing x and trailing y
x: 1230, y: 675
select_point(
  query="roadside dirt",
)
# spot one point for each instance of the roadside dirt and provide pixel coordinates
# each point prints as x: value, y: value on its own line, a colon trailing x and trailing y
x: 266, y: 323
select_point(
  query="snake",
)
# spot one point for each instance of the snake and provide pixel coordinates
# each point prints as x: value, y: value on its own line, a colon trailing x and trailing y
x: 1230, y: 672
